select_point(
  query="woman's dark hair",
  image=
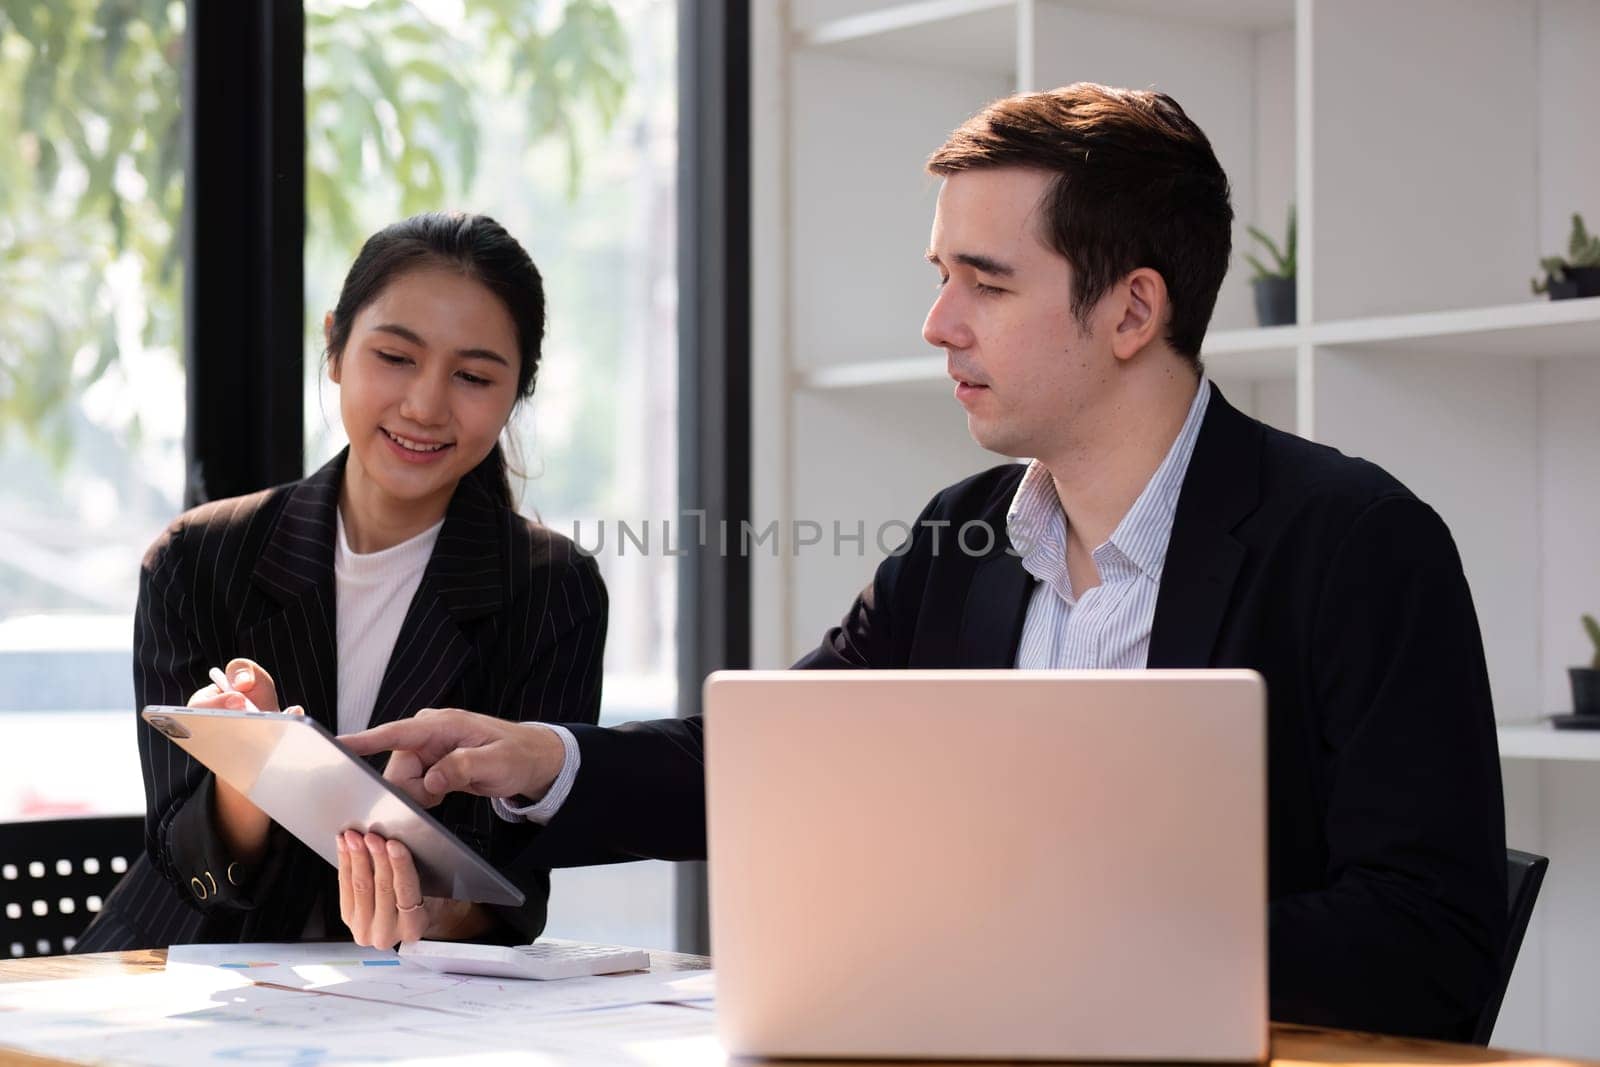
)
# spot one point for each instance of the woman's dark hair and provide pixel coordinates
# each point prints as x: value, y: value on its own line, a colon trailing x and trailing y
x: 1136, y: 185
x: 475, y: 246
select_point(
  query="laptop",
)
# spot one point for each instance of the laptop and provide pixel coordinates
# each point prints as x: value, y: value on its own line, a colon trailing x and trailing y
x: 989, y: 864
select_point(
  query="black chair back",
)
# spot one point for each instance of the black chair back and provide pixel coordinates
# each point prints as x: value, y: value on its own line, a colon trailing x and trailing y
x: 1524, y: 876
x: 54, y: 875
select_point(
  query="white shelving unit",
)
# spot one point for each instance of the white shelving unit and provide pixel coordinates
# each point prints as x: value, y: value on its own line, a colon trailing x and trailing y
x: 1434, y: 151
x: 1536, y: 330
x: 1541, y: 741
x: 1513, y: 331
x: 1248, y: 355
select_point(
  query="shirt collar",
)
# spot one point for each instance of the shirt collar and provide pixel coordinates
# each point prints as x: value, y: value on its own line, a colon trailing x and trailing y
x: 1145, y: 530
x: 1038, y: 528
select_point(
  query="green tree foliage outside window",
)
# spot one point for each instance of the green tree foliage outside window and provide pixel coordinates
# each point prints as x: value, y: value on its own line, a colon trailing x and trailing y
x: 90, y: 95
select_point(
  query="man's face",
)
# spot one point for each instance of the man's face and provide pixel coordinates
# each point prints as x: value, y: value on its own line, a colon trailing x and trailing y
x: 1025, y: 370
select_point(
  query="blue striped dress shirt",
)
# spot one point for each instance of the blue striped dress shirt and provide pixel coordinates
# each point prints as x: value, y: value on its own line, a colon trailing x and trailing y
x: 1109, y: 625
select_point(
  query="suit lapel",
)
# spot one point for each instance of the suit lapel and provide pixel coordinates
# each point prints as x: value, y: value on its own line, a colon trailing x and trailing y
x: 297, y: 642
x: 461, y: 585
x: 997, y: 604
x: 1221, y: 488
x: 997, y: 600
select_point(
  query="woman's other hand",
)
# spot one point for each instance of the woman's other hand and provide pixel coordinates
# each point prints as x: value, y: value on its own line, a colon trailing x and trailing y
x: 248, y: 679
x: 381, y: 901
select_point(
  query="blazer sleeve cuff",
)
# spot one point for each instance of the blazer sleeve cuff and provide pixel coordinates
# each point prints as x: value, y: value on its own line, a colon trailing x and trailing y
x: 202, y: 867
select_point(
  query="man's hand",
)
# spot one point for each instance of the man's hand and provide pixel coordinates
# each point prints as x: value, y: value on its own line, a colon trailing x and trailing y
x: 447, y: 750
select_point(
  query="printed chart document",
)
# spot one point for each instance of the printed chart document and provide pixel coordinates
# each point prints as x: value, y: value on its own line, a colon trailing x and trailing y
x: 311, y: 1004
x: 167, y: 1018
x: 379, y: 975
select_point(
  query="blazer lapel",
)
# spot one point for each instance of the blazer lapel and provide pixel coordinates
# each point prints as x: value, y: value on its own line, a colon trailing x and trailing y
x: 295, y: 570
x: 1221, y: 488
x: 461, y: 585
x: 997, y: 604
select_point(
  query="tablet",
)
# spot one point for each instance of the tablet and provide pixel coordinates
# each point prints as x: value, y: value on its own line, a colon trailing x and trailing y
x: 290, y: 767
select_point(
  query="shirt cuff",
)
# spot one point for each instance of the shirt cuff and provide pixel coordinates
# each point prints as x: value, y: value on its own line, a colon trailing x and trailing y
x: 545, y: 809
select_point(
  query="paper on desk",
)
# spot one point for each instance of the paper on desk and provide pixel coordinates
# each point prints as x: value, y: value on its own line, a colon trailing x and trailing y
x: 114, y: 998
x: 646, y: 1035
x: 374, y: 974
x: 200, y: 1016
x: 197, y: 1014
x: 302, y: 965
x: 697, y: 988
x: 509, y: 997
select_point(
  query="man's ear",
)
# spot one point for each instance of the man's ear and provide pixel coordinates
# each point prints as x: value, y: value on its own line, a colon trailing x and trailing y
x: 1143, y: 317
x: 327, y: 341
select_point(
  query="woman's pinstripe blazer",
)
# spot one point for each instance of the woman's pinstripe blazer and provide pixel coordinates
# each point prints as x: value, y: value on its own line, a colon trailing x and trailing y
x: 509, y: 620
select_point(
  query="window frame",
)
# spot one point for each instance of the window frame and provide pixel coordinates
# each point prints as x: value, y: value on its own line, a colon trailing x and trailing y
x: 244, y: 305
x: 244, y: 222
x: 714, y: 262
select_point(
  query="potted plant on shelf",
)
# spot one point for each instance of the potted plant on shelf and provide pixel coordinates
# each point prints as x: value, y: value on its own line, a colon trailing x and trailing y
x: 1578, y: 272
x: 1586, y: 680
x: 1274, y: 286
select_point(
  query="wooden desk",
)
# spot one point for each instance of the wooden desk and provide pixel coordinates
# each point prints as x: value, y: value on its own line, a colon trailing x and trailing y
x: 1292, y: 1046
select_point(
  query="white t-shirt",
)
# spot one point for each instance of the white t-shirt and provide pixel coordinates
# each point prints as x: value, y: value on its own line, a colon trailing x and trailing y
x: 372, y: 593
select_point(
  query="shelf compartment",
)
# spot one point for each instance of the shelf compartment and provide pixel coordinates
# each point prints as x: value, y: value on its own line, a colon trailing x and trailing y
x: 1529, y: 330
x: 1513, y: 331
x: 1239, y: 354
x: 964, y: 34
x: 1261, y: 354
x: 1235, y: 14
x: 1541, y: 741
x: 926, y: 370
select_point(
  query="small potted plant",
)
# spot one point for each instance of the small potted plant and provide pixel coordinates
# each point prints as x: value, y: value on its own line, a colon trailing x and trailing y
x: 1578, y: 272
x: 1274, y: 286
x: 1586, y: 680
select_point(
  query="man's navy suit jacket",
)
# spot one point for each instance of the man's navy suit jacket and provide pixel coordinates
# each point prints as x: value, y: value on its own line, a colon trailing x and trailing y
x: 1322, y: 572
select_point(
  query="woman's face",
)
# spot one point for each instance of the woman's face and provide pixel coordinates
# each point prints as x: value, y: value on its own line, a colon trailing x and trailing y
x: 427, y: 381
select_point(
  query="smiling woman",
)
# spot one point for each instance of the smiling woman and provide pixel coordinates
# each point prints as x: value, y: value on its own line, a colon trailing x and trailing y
x: 397, y: 577
x: 428, y: 379
x: 434, y: 341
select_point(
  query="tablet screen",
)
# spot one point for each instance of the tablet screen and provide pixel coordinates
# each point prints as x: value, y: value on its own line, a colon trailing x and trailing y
x: 290, y: 767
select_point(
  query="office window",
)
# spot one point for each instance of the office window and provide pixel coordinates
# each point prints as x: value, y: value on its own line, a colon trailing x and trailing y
x: 91, y: 382
x: 558, y: 119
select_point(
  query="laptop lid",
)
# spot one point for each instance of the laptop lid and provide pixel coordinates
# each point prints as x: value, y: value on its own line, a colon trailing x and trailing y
x: 1023, y: 864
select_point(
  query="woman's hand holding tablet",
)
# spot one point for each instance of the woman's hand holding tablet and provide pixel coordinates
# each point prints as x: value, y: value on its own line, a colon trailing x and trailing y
x: 381, y: 901
x: 288, y: 769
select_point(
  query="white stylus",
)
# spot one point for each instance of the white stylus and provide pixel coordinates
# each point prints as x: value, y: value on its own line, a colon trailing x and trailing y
x: 226, y: 686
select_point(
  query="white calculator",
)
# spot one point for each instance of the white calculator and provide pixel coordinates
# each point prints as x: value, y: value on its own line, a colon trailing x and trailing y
x: 541, y: 961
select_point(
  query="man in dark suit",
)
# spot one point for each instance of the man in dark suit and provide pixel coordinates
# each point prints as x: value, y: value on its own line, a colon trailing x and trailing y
x: 1080, y: 239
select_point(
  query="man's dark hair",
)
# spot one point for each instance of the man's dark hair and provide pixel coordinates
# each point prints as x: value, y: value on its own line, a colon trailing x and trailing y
x: 1136, y: 185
